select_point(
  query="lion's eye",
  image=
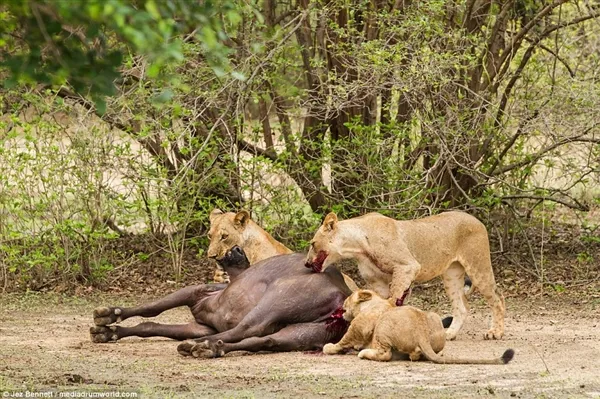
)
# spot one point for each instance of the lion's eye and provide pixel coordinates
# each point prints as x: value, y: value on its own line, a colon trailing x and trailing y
x: 224, y: 236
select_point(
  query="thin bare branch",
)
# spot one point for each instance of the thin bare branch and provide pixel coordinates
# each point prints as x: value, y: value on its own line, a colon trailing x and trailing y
x: 256, y: 150
x: 515, y: 43
x: 570, y: 204
x: 512, y: 141
x: 538, y: 155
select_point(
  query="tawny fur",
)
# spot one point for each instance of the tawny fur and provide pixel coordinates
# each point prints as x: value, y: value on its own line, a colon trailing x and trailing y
x: 378, y: 327
x: 228, y: 229
x: 391, y: 254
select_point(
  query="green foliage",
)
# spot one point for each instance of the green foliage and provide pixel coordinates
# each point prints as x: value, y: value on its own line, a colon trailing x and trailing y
x: 366, y: 165
x: 83, y: 42
x: 50, y: 230
x: 405, y: 111
x: 559, y: 288
x: 584, y: 257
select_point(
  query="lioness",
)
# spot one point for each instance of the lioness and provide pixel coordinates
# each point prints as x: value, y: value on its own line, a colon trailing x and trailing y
x: 230, y: 229
x: 383, y: 327
x: 392, y: 254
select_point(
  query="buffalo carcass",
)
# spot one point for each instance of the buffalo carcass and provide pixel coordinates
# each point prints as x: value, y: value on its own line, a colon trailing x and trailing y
x: 275, y: 305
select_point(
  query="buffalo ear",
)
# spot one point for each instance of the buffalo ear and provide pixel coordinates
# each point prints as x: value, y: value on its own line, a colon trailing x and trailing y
x: 364, y: 296
x: 330, y: 221
x: 215, y: 212
x: 241, y: 218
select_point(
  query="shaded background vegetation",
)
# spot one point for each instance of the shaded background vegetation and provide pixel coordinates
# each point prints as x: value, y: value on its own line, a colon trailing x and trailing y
x: 123, y: 123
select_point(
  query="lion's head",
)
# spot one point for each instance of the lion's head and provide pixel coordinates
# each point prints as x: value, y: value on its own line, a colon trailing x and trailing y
x: 226, y: 231
x: 361, y: 301
x: 322, y: 251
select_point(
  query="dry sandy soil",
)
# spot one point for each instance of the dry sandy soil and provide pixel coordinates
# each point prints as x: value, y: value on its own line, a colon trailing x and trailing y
x: 44, y: 345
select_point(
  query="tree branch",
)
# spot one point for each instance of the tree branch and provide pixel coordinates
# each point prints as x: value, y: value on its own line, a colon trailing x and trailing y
x: 266, y: 124
x: 151, y: 146
x: 535, y: 157
x: 514, y: 45
x: 559, y: 58
x: 256, y: 151
x: 513, y: 80
x: 284, y: 120
x: 512, y: 141
x: 283, y: 16
x: 573, y: 205
x: 535, y: 42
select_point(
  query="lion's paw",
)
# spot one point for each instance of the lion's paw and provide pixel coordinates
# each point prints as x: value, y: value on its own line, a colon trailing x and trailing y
x: 451, y: 335
x: 102, y: 335
x: 104, y: 316
x: 493, y: 334
x: 330, y: 349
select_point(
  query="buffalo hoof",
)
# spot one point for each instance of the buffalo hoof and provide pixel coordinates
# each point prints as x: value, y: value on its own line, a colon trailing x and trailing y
x: 204, y: 350
x: 202, y: 353
x: 104, y: 316
x: 185, y: 348
x: 102, y: 335
x: 221, y: 277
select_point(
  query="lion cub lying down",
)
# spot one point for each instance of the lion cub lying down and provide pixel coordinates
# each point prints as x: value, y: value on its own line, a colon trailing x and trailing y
x: 380, y: 326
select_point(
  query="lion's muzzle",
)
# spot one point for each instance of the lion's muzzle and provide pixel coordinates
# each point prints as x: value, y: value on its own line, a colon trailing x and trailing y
x: 317, y: 263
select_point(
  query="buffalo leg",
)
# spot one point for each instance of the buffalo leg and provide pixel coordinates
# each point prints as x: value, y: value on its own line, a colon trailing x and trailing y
x: 266, y: 319
x: 187, y: 296
x: 102, y: 334
x: 296, y: 337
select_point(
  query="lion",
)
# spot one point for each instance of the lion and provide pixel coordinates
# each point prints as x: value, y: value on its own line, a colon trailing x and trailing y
x: 391, y: 254
x: 378, y: 328
x: 228, y: 229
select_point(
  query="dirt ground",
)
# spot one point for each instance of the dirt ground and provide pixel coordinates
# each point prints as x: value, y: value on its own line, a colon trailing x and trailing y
x: 44, y: 345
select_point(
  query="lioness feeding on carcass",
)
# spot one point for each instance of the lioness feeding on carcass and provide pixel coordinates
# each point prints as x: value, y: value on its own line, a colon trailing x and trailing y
x: 275, y: 305
x: 391, y: 254
x: 228, y: 229
x: 378, y: 327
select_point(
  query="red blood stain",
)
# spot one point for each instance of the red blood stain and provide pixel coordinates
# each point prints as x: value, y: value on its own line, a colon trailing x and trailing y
x: 336, y: 323
x: 315, y: 352
x: 400, y: 301
x: 317, y: 264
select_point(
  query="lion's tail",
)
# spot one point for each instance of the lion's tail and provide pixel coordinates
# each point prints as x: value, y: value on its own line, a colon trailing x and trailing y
x: 428, y: 352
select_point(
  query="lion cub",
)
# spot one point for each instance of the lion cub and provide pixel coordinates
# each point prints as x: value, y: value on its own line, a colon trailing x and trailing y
x: 380, y: 326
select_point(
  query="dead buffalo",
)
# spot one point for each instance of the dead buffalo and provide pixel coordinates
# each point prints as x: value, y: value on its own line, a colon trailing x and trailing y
x: 275, y: 305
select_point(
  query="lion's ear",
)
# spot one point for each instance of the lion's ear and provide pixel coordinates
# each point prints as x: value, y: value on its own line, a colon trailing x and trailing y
x: 364, y: 296
x: 330, y: 221
x: 215, y: 212
x: 241, y: 219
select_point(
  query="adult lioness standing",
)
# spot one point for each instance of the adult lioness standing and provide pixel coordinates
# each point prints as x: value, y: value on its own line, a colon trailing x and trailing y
x: 228, y: 229
x: 391, y: 254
